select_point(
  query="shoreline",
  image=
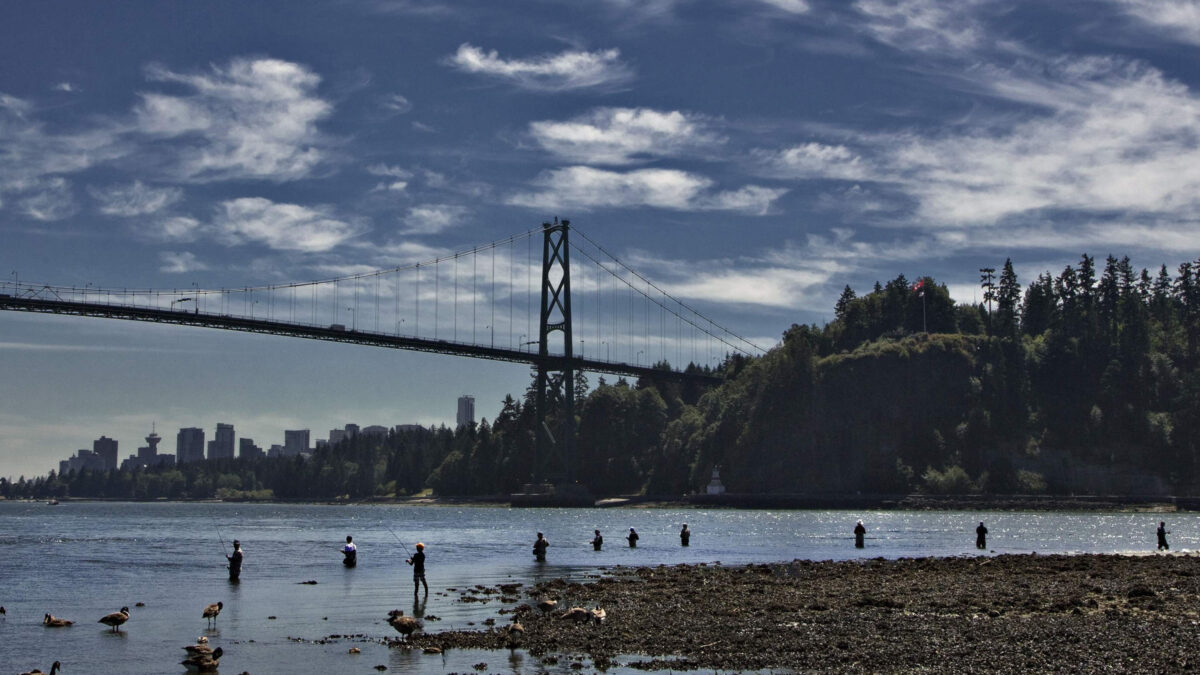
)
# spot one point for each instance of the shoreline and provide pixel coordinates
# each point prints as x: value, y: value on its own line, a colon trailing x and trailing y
x: 914, y: 502
x: 1009, y: 613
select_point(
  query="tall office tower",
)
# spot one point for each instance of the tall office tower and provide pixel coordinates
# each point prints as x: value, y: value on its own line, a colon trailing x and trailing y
x: 222, y: 445
x: 351, y: 430
x: 336, y: 436
x: 106, y: 449
x: 248, y: 450
x: 466, y: 410
x: 189, y: 445
x: 295, y: 441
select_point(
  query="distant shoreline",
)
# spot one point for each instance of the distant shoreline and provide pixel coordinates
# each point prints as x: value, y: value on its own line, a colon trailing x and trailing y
x: 1149, y: 504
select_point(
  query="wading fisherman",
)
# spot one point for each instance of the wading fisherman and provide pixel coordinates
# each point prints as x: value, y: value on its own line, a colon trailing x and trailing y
x: 1162, y: 537
x: 633, y: 537
x: 418, y: 565
x: 539, y: 548
x: 597, y: 541
x: 859, y: 533
x: 235, y: 561
x: 981, y: 536
x: 685, y: 536
x: 351, y: 552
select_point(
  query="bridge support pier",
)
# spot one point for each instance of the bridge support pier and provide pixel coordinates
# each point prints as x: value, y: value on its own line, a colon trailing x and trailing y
x: 555, y: 483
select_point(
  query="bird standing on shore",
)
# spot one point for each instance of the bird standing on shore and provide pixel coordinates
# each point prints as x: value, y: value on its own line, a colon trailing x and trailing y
x: 51, y: 621
x: 514, y: 634
x: 38, y: 671
x: 405, y: 625
x: 547, y: 605
x: 212, y: 611
x: 204, y: 663
x: 115, y: 619
x: 201, y: 647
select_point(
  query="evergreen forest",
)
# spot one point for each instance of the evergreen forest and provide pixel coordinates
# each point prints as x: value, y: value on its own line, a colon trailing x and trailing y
x: 1087, y: 382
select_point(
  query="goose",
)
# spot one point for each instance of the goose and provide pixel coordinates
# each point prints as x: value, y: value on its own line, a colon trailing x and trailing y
x: 51, y: 621
x: 204, y: 663
x: 405, y: 625
x: 547, y: 605
x: 576, y: 614
x: 115, y: 619
x: 599, y: 615
x: 53, y: 670
x: 212, y: 611
x: 201, y: 647
x: 514, y: 634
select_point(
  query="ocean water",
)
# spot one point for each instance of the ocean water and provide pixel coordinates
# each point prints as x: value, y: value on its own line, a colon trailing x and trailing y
x: 81, y: 561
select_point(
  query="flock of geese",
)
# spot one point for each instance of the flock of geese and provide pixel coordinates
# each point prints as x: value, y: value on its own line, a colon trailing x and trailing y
x: 200, y: 657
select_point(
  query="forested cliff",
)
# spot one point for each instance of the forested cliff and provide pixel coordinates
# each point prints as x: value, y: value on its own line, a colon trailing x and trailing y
x: 1084, y: 382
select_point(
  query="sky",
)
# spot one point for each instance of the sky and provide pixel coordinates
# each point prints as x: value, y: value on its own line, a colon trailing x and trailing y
x: 750, y: 157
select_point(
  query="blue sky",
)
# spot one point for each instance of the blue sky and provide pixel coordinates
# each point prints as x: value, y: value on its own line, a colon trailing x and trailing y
x: 751, y: 156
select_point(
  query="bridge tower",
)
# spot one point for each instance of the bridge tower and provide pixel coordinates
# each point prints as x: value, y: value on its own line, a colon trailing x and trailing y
x: 556, y: 375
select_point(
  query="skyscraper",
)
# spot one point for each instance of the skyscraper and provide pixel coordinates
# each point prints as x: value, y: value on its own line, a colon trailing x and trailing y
x: 189, y: 445
x: 222, y: 445
x: 248, y: 450
x: 295, y: 441
x: 106, y: 449
x: 466, y: 410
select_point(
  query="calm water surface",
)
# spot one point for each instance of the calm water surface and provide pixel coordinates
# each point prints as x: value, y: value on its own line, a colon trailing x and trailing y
x: 81, y: 561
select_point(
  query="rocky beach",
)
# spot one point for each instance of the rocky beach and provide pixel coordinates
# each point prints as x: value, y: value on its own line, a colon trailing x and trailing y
x: 1006, y: 614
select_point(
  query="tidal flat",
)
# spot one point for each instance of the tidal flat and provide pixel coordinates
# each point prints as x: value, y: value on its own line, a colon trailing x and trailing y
x: 1002, y: 614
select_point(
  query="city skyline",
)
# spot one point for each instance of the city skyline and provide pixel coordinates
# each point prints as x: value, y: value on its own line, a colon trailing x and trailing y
x: 104, y: 454
x: 751, y: 157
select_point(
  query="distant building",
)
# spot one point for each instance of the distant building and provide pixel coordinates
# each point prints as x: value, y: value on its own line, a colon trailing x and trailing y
x: 715, y: 486
x: 150, y: 452
x: 221, y: 447
x: 466, y: 410
x: 275, y: 450
x: 295, y: 441
x: 106, y: 448
x: 83, y: 459
x: 248, y: 450
x: 322, y: 443
x: 189, y: 445
x: 374, y: 430
x: 400, y: 428
x: 337, y: 436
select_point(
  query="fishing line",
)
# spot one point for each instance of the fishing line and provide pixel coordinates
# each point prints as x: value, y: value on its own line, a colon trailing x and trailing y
x: 397, y: 538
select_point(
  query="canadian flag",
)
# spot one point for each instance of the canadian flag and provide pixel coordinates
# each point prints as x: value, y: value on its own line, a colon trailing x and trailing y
x: 919, y: 288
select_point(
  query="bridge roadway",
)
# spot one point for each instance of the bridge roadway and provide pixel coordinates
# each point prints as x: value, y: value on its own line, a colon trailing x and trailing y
x: 335, y: 334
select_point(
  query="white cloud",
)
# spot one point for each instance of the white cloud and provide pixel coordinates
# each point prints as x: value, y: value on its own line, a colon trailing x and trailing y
x: 582, y: 187
x: 815, y: 160
x: 554, y: 72
x: 65, y: 86
x: 789, y: 6
x: 1178, y: 18
x: 255, y: 118
x: 283, y: 227
x: 623, y: 135
x: 773, y: 286
x: 178, y: 228
x: 49, y: 199
x: 135, y: 199
x: 396, y: 104
x: 931, y: 26
x: 433, y: 218
x: 180, y: 263
x: 1101, y: 137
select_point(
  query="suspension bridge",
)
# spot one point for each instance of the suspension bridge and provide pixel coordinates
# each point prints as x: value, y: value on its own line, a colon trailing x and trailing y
x: 519, y: 299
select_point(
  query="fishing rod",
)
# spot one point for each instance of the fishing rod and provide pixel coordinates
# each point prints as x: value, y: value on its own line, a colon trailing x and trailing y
x: 385, y: 525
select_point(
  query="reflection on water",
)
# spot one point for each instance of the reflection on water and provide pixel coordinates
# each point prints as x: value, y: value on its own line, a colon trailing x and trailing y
x: 81, y: 561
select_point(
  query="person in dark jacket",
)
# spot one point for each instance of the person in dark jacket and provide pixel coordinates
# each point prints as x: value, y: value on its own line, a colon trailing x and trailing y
x: 685, y: 536
x: 418, y: 565
x: 597, y: 541
x: 1162, y: 537
x: 235, y: 561
x: 633, y: 537
x: 539, y: 548
x: 859, y: 533
x: 981, y: 536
